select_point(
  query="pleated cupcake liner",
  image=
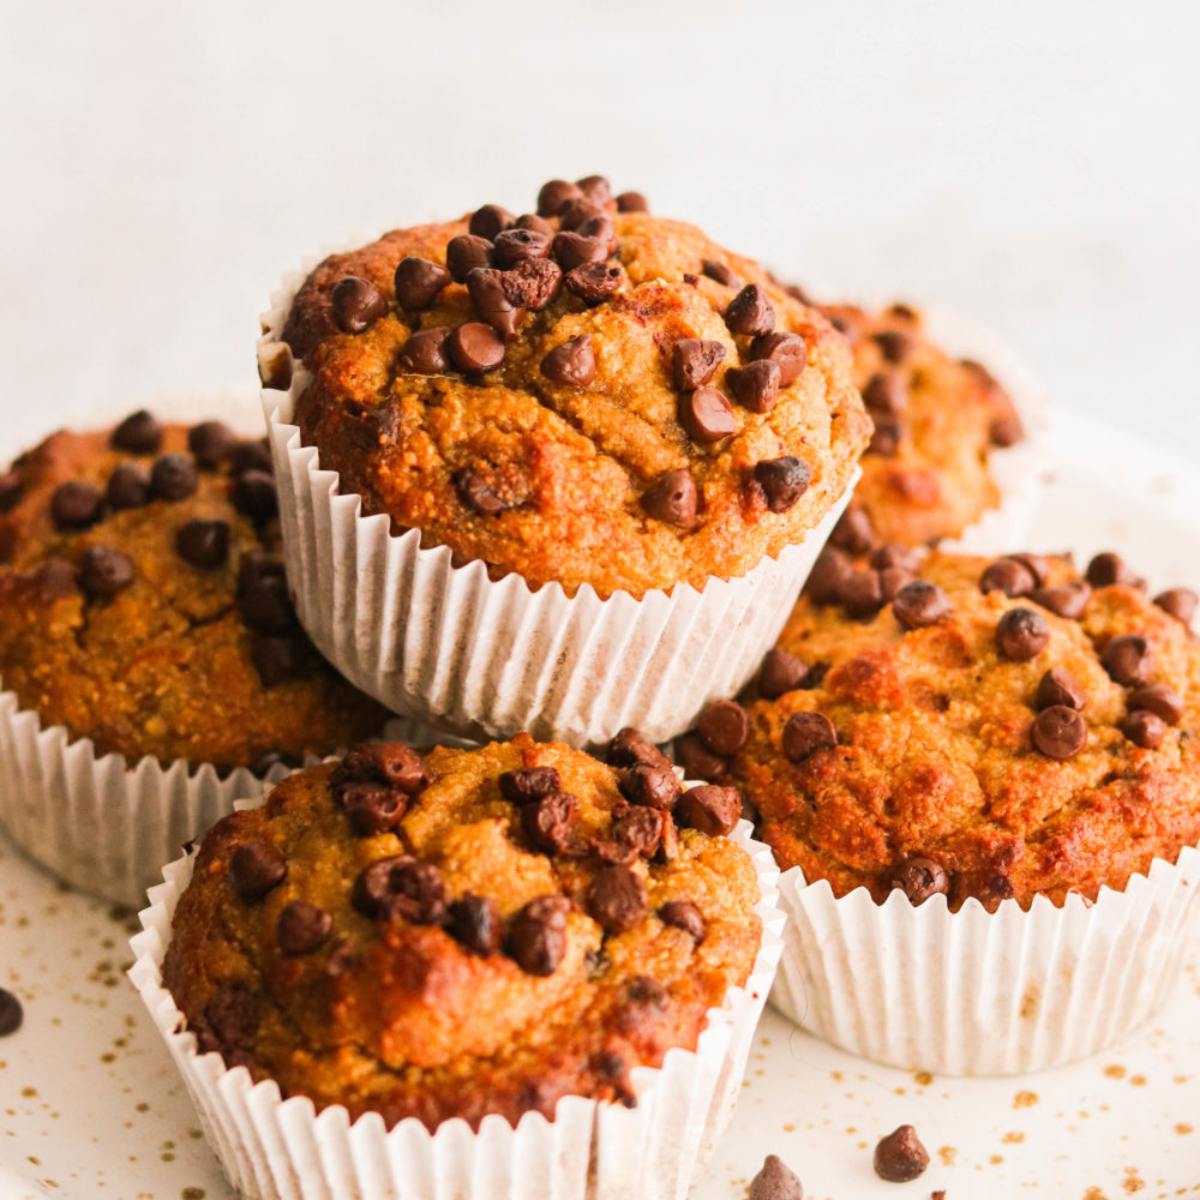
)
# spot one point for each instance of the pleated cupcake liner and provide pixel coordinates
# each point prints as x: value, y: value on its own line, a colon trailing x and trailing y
x: 277, y: 1149
x: 486, y: 658
x: 979, y: 993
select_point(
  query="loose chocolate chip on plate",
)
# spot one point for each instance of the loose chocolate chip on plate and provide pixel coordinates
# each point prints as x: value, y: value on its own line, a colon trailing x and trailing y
x: 474, y: 922
x: 1068, y: 600
x: 466, y: 252
x: 475, y: 348
x: 920, y: 878
x: 750, y: 312
x: 617, y: 899
x: 555, y: 196
x: 75, y: 505
x: 719, y: 272
x: 920, y: 604
x: 1179, y: 602
x: 488, y: 294
x: 630, y: 202
x: 697, y: 760
x: 776, y: 1181
x: 203, y: 544
x: 652, y: 784
x: 278, y: 660
x: 104, y: 572
x: 532, y: 283
x: 419, y: 282
x: 1145, y: 729
x: 128, y: 487
x: 11, y: 1013
x: 780, y: 672
x: 1022, y: 634
x: 895, y: 345
x: 595, y: 188
x: 477, y: 493
x: 805, y: 733
x: 139, y: 433
x: 673, y: 498
x: 694, y: 361
x: 490, y: 220
x: 173, y: 477
x: 401, y: 887
x: 1107, y: 569
x: 594, y: 282
x: 706, y: 415
x: 255, y: 868
x: 574, y: 249
x: 783, y: 481
x: 529, y: 784
x: 1059, y: 686
x: 302, y: 928
x: 210, y: 443
x: 572, y: 364
x: 886, y: 393
x: 1128, y: 659
x: 262, y: 596
x: 900, y: 1157
x: 356, y: 304
x: 755, y: 386
x: 549, y: 823
x: 724, y: 725
x: 1059, y: 732
x: 537, y: 935
x: 787, y: 350
x: 1007, y: 575
x: 254, y: 496
x: 710, y: 808
x: 425, y: 352
x: 1159, y: 699
x: 629, y: 748
x: 683, y: 914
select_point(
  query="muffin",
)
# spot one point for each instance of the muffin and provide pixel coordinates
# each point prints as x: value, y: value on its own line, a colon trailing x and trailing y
x: 516, y: 934
x: 144, y: 608
x: 600, y: 407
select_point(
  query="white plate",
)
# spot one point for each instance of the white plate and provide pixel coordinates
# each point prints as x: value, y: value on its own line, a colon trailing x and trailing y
x: 91, y: 1108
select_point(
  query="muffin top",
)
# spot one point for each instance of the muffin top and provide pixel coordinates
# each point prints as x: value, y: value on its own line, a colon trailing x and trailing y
x: 582, y: 395
x: 143, y: 603
x: 472, y: 932
x: 997, y: 729
x: 927, y: 470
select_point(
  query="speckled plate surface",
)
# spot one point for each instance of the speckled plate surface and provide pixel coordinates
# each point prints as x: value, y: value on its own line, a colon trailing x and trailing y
x: 91, y: 1108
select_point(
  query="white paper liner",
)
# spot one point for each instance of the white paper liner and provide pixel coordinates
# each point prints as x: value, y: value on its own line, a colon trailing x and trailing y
x: 486, y: 658
x: 973, y: 993
x: 275, y: 1149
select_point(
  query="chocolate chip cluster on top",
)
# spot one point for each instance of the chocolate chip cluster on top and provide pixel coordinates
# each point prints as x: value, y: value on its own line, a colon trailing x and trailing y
x: 992, y: 729
x: 143, y: 602
x: 468, y: 932
x: 581, y: 394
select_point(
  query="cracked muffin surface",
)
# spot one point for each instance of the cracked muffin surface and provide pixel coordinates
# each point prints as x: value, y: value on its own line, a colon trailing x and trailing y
x: 995, y: 729
x: 143, y: 602
x: 472, y: 932
x: 586, y: 396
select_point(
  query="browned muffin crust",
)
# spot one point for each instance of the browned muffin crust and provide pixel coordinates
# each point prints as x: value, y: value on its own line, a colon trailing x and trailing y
x: 531, y: 932
x: 143, y: 603
x: 625, y: 405
x: 997, y: 729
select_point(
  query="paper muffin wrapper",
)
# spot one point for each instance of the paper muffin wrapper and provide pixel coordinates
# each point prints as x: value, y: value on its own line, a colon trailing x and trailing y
x: 483, y: 657
x: 276, y: 1149
x: 978, y: 993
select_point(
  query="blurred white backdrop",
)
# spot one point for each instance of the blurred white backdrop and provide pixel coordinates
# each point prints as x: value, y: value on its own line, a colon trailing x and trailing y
x: 1035, y: 165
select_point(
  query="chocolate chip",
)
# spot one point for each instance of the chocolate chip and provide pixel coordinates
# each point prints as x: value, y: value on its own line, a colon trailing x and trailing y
x: 719, y: 272
x: 1059, y: 732
x: 805, y: 733
x: 356, y: 304
x: 629, y: 748
x: 750, y: 312
x: 491, y: 301
x: 1068, y: 600
x: 891, y: 580
x: 920, y: 604
x: 652, y: 784
x: 706, y: 415
x: 253, y: 495
x: 255, y: 868
x: 519, y: 245
x: 533, y: 221
x: 1036, y: 565
x: 278, y: 660
x: 210, y: 443
x: 673, y: 498
x: 697, y: 760
x: 1006, y: 431
x: 594, y: 282
x: 549, y: 823
x: 1179, y: 602
x: 854, y: 531
x: 724, y: 725
x: 490, y: 220
x: 555, y: 196
x: 466, y: 252
x: 11, y: 1013
x: 1128, y: 659
x: 75, y: 505
x: 710, y: 808
x: 400, y: 887
x: 572, y: 364
x: 1107, y: 569
x: 861, y: 594
x: 579, y: 213
x: 254, y: 455
x: 1022, y: 634
x: 1145, y: 729
x: 886, y: 392
x: 128, y: 487
x: 537, y: 935
x: 574, y: 249
x: 787, y: 350
x: 139, y: 433
x: 474, y: 922
x: 683, y: 914
x: 780, y: 672
x: 173, y: 477
x: 886, y: 436
x: 11, y: 488
x: 203, y: 544
x: 1009, y: 576
x: 775, y: 1182
x: 372, y: 808
x: 617, y: 899
x: 1059, y: 687
x: 631, y: 202
x: 532, y: 283
x: 828, y: 576
x: 529, y: 784
x: 475, y: 348
x: 302, y: 928
x: 425, y: 352
x: 1159, y: 699
x: 783, y: 481
x: 477, y: 493
x: 895, y: 344
x: 694, y: 361
x: 104, y: 572
x: 920, y: 878
x: 57, y: 578
x: 900, y: 1157
x: 894, y: 555
x: 394, y: 764
x: 229, y: 1023
x: 419, y: 282
x: 595, y: 188
x: 636, y: 832
x: 262, y: 596
x: 755, y: 386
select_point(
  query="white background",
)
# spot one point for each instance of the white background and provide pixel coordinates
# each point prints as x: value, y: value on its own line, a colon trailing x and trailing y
x: 1036, y: 165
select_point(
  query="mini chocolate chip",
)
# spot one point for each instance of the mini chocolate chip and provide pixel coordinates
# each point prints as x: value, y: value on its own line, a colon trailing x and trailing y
x: 1059, y: 732
x: 1107, y: 569
x: 1128, y: 659
x: 673, y: 498
x: 783, y: 481
x: 11, y: 488
x: 755, y: 386
x: 1179, y: 602
x: 652, y: 784
x: 775, y: 1182
x: 139, y: 433
x: 532, y: 283
x: 886, y: 436
x: 861, y: 594
x: 203, y: 544
x: 710, y: 808
x: 173, y: 477
x: 1007, y: 575
x: 253, y: 495
x: 394, y: 764
x: 372, y: 808
x: 262, y: 596
x: 254, y: 455
x: 787, y: 350
x: 302, y: 928
x: 706, y: 415
x: 828, y: 576
x: 491, y: 301
x: 490, y: 220
x: 555, y: 196
x: 75, y: 505
x: 900, y: 1157
x: 466, y: 252
x: 425, y: 352
x: 400, y: 887
x: 1144, y: 728
x: 255, y: 868
x: 1067, y: 600
x: 419, y: 282
x: 12, y: 1014
x: 697, y: 760
x: 549, y: 823
x: 631, y: 202
x: 537, y: 935
x: 895, y: 344
x: 617, y: 899
x: 128, y: 487
x: 529, y: 784
x: 595, y: 188
x: 210, y: 443
x: 475, y: 348
x: 474, y: 922
x: 805, y: 733
x: 683, y: 914
x: 104, y: 572
x: 886, y: 392
x: 1059, y: 687
x: 356, y: 304
x: 278, y: 660
x: 519, y: 245
x: 478, y: 494
x: 533, y: 221
x: 574, y: 249
x: 694, y: 361
x: 724, y: 725
x: 594, y: 282
x: 750, y: 312
x: 854, y: 531
x: 1022, y: 634
x: 920, y: 878
x: 719, y: 272
x: 920, y: 604
x: 572, y: 364
x: 780, y: 672
x: 1159, y: 699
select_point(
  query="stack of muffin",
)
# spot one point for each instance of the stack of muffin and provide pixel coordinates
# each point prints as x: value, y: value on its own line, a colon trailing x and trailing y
x: 553, y: 483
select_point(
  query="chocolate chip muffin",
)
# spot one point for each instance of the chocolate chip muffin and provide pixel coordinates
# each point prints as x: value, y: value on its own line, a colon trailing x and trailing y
x: 997, y: 729
x: 927, y: 472
x: 143, y: 602
x: 585, y: 394
x: 470, y: 932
